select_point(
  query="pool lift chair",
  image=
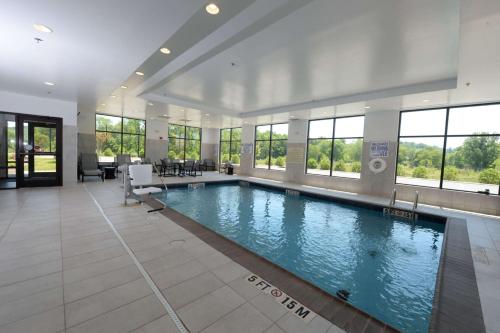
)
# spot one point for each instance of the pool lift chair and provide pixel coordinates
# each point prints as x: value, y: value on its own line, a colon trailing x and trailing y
x: 141, y: 175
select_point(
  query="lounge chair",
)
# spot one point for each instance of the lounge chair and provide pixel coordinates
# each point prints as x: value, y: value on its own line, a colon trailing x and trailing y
x: 89, y: 166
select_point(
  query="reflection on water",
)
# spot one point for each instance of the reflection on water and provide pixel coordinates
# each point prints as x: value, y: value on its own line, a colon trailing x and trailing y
x: 387, y: 266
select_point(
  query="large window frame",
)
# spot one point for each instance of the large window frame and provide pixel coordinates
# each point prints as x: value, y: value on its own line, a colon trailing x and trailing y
x: 231, y: 141
x: 185, y: 138
x: 270, y: 140
x: 332, y: 149
x: 445, y: 138
x: 122, y: 133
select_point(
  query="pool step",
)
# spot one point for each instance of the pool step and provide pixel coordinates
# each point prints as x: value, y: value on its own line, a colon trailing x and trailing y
x: 195, y: 186
x: 292, y: 192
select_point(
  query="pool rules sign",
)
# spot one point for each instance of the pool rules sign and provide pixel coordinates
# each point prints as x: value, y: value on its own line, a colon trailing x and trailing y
x: 279, y: 296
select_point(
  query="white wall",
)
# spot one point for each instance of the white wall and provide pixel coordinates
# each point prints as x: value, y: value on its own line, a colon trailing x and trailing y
x: 26, y: 104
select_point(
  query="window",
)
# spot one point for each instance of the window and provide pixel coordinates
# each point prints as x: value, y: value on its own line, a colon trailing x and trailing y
x: 270, y: 146
x: 455, y: 148
x: 184, y: 142
x: 118, y: 135
x: 229, y: 147
x: 334, y: 147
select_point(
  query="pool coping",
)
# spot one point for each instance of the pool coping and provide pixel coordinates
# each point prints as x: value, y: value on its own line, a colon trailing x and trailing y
x: 456, y: 304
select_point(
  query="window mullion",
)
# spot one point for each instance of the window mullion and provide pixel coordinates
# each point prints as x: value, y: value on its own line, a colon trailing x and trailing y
x: 333, y: 146
x: 443, y: 159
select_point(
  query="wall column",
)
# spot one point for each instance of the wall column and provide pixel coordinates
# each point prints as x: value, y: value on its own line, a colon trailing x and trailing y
x: 380, y: 126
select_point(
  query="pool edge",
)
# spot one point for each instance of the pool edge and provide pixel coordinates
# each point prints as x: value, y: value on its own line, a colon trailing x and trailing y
x: 454, y: 292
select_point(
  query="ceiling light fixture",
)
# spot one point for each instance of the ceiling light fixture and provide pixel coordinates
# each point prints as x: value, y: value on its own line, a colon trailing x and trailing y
x: 49, y: 83
x: 206, y: 114
x: 113, y: 96
x: 139, y: 73
x: 212, y: 9
x: 123, y: 87
x: 426, y: 100
x: 150, y: 104
x: 165, y: 50
x: 103, y: 104
x: 368, y: 107
x: 42, y: 28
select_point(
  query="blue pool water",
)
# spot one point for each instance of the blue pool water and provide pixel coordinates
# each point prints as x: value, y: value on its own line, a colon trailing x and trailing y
x: 388, y: 265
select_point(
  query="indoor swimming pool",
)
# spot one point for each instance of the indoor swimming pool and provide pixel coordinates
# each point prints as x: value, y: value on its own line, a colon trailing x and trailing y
x: 382, y: 265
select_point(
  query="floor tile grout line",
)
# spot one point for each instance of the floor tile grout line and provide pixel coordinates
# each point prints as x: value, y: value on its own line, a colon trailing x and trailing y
x: 62, y: 257
x: 31, y: 278
x: 107, y: 289
x: 12, y: 219
x: 111, y: 310
x: 149, y: 280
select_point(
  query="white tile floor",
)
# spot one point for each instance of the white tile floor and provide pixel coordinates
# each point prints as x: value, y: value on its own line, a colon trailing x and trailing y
x: 62, y: 268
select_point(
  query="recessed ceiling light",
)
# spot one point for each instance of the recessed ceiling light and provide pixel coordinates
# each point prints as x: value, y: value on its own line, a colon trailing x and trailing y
x: 367, y: 107
x: 212, y: 9
x: 426, y: 100
x: 103, y: 104
x: 42, y: 28
x: 150, y: 104
x: 123, y: 87
x: 206, y: 114
x: 139, y: 73
x: 165, y: 50
x: 113, y: 96
x: 49, y: 83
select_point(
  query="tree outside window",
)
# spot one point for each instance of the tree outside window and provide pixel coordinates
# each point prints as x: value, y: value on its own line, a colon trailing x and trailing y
x: 119, y: 135
x: 335, y: 146
x: 455, y: 148
x: 230, y: 145
x: 184, y: 142
x: 271, y: 146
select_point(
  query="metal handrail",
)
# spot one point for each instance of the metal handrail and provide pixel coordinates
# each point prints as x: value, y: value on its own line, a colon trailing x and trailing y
x: 160, y: 176
x: 392, y: 202
x: 415, y: 202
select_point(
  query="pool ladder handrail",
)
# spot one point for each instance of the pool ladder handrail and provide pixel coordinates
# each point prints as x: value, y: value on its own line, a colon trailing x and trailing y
x: 392, y: 202
x: 415, y: 202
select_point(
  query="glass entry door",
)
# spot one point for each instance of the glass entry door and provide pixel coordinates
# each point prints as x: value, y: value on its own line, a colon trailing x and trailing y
x: 39, y: 154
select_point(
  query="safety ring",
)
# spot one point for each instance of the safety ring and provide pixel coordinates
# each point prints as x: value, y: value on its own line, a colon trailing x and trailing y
x: 377, y: 165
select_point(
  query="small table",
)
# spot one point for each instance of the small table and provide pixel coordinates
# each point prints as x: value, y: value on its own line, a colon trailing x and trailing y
x: 109, y: 172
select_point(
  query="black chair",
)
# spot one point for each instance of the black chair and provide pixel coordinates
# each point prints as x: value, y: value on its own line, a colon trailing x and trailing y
x: 189, y: 168
x: 208, y: 164
x: 168, y: 167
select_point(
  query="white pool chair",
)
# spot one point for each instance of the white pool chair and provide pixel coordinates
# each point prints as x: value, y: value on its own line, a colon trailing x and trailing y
x: 139, y: 177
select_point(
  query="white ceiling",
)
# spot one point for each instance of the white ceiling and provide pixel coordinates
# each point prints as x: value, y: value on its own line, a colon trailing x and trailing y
x: 94, y: 47
x: 300, y: 58
x: 326, y: 49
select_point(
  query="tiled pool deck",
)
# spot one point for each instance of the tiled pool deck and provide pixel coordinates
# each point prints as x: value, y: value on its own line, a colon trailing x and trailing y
x: 62, y: 268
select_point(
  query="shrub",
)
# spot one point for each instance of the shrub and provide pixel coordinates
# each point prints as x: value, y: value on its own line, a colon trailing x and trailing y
x: 324, y: 164
x: 280, y: 161
x: 235, y: 159
x: 450, y: 173
x: 403, y: 170
x: 312, y: 164
x: 340, y: 166
x: 108, y: 152
x: 356, y: 167
x: 420, y: 172
x: 489, y: 176
x: 171, y: 155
